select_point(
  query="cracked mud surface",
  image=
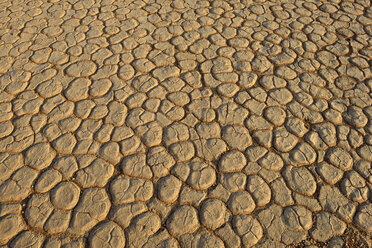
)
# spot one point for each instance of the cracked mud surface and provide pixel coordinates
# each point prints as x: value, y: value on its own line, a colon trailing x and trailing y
x: 185, y: 123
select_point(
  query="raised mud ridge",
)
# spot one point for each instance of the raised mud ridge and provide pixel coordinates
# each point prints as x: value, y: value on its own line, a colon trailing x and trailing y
x: 205, y: 124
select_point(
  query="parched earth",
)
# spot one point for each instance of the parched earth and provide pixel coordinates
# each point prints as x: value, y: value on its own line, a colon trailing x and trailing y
x: 185, y: 123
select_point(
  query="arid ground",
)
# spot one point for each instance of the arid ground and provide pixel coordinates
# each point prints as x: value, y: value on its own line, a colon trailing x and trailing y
x: 203, y: 124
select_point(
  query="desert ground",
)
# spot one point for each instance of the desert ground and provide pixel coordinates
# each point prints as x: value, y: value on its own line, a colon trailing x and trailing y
x: 203, y: 124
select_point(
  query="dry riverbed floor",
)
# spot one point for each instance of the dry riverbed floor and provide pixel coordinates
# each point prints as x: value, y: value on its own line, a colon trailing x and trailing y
x: 160, y: 123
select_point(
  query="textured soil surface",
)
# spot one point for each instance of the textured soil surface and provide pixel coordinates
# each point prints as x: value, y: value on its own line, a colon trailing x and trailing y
x: 160, y: 123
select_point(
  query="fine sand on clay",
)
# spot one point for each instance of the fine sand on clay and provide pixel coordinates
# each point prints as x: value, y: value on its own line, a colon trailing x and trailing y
x: 186, y: 123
